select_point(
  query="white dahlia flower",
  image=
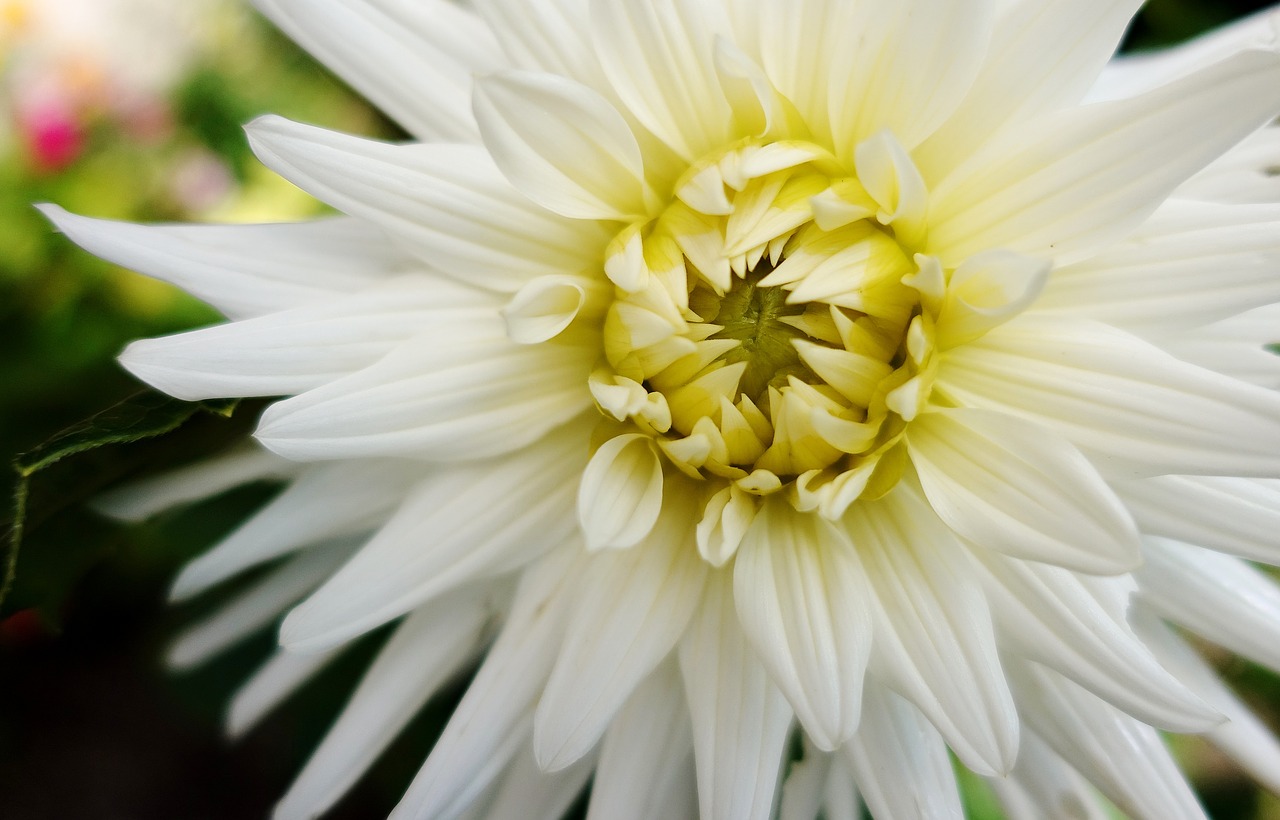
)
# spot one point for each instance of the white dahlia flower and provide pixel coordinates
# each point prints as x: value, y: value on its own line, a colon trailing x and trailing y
x: 727, y: 377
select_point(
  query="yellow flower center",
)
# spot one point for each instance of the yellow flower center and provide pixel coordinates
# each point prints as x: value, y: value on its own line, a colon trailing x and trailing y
x: 773, y: 327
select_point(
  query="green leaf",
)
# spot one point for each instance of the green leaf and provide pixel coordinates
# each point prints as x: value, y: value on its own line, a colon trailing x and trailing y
x: 142, y: 434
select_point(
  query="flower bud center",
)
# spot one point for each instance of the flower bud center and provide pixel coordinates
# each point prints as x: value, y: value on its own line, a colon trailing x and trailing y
x: 765, y: 338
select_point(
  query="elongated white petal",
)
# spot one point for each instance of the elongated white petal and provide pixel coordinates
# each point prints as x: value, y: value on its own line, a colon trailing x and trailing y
x: 1187, y: 266
x: 298, y: 350
x: 324, y: 503
x: 271, y: 685
x: 658, y: 56
x: 1245, y: 174
x: 414, y: 60
x: 424, y: 653
x: 526, y: 792
x: 1131, y: 407
x: 447, y: 204
x: 805, y: 786
x: 239, y: 465
x: 457, y: 526
x: 244, y: 270
x: 1043, y: 784
x: 620, y: 497
x: 454, y: 393
x: 795, y: 50
x: 1043, y: 55
x: 912, y: 64
x: 1016, y: 488
x: 1132, y: 74
x: 934, y: 642
x: 1077, y: 626
x: 1243, y: 735
x: 802, y: 597
x: 1079, y: 178
x: 740, y: 718
x: 1237, y: 347
x: 1216, y: 596
x: 634, y: 608
x: 255, y: 607
x: 1239, y: 516
x: 564, y: 146
x: 551, y: 36
x: 900, y: 763
x: 646, y: 761
x: 842, y: 800
x: 1121, y: 756
x: 493, y: 720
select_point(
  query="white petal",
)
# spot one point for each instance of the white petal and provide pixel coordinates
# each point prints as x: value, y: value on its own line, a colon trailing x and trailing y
x: 1123, y: 757
x: 905, y: 67
x: 725, y: 520
x: 1238, y: 347
x: 564, y: 146
x: 900, y: 763
x: 550, y: 35
x: 801, y: 595
x: 526, y: 792
x: 988, y: 289
x: 255, y: 607
x: 1065, y: 621
x: 805, y: 786
x: 493, y: 720
x: 646, y: 762
x: 1043, y: 55
x: 934, y: 642
x: 1014, y: 487
x: 1133, y: 74
x: 1131, y: 407
x: 757, y: 109
x: 333, y: 501
x: 1083, y: 177
x: 244, y: 270
x: 448, y: 204
x: 1042, y: 783
x: 459, y: 525
x: 1244, y: 175
x: 658, y: 55
x: 544, y: 308
x: 1243, y: 736
x: 453, y: 393
x: 239, y: 465
x: 740, y: 719
x: 297, y: 350
x: 1218, y: 597
x: 842, y: 800
x: 796, y: 49
x: 1239, y: 516
x: 414, y: 60
x: 634, y: 607
x: 620, y: 497
x: 1192, y: 263
x: 270, y: 686
x: 424, y: 653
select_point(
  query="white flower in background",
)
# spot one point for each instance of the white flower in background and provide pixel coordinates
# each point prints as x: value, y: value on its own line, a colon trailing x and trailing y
x: 716, y: 370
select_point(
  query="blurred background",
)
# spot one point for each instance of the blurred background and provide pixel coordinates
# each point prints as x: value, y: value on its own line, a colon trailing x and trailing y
x: 131, y: 109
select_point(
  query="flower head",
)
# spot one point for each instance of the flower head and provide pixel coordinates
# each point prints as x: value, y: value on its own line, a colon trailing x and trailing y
x: 721, y: 370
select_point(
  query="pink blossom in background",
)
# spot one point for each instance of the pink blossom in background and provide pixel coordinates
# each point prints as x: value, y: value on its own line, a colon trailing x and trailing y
x: 52, y: 136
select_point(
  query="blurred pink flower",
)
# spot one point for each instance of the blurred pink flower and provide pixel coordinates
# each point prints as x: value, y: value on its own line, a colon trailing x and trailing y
x: 53, y: 136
